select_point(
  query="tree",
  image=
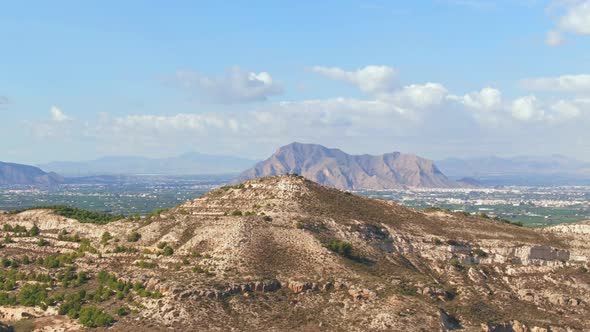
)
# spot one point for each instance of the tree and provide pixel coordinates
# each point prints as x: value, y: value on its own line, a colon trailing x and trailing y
x: 34, y: 231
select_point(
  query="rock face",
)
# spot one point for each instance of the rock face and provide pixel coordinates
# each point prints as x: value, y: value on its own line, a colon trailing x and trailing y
x: 284, y: 253
x: 335, y: 168
x: 16, y: 174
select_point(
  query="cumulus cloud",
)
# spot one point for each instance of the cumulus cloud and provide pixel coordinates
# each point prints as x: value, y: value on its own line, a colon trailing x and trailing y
x: 577, y: 18
x: 369, y: 79
x: 526, y: 109
x: 488, y: 99
x: 565, y: 83
x: 57, y: 115
x: 236, y: 86
x: 574, y: 18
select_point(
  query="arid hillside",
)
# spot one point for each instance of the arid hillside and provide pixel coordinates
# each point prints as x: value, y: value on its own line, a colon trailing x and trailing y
x: 284, y: 253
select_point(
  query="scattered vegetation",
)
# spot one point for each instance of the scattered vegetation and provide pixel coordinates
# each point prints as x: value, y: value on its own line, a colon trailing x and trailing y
x: 340, y: 247
x: 81, y: 215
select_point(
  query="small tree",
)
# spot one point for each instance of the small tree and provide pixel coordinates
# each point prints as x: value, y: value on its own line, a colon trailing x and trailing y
x: 34, y: 231
x: 105, y: 238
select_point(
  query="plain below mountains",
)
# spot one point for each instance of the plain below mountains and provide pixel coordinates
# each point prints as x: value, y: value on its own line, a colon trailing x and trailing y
x: 335, y: 168
x: 17, y: 174
x: 187, y: 164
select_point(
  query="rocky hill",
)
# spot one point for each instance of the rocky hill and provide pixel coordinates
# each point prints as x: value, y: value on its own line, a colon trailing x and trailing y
x: 335, y: 168
x: 17, y: 174
x: 284, y: 253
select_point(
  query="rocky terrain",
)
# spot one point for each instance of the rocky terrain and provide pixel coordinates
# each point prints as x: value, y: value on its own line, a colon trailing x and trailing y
x: 335, y: 168
x: 284, y: 253
x: 17, y: 174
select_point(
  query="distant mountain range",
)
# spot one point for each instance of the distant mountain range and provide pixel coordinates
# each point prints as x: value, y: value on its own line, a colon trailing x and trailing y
x: 17, y: 174
x: 335, y: 168
x: 186, y: 164
x: 521, y: 170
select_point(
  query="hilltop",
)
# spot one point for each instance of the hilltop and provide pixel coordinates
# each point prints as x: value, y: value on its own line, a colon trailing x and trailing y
x: 284, y: 253
x: 335, y: 168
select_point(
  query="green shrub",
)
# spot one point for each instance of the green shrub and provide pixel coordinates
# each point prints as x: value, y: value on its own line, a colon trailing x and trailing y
x: 32, y: 295
x: 161, y: 245
x: 94, y: 317
x: 340, y: 247
x: 42, y: 243
x: 105, y: 238
x: 167, y: 251
x: 34, y: 231
x: 236, y: 213
x: 122, y: 311
x: 133, y: 237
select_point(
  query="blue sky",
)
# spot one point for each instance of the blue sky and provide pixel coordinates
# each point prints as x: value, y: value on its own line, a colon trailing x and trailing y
x: 439, y: 78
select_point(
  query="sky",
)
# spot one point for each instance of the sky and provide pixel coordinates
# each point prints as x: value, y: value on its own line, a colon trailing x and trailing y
x: 438, y: 78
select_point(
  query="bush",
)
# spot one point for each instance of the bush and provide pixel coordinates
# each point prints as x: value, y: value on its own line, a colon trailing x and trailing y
x: 456, y: 264
x: 168, y: 251
x: 42, y: 243
x: 480, y: 253
x: 133, y: 237
x: 34, y: 231
x: 161, y: 245
x: 341, y: 247
x: 94, y: 317
x: 32, y: 295
x: 122, y: 311
x: 236, y: 213
x: 105, y: 238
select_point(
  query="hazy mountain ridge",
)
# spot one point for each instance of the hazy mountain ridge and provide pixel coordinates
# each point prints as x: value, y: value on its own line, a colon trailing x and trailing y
x: 335, y: 168
x: 19, y: 174
x: 528, y: 165
x: 186, y: 164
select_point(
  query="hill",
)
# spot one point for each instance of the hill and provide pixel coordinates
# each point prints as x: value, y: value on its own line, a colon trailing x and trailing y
x: 186, y: 164
x: 17, y: 174
x: 284, y: 253
x: 335, y: 168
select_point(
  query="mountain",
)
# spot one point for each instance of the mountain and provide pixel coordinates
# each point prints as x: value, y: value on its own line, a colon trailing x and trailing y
x: 17, y: 174
x: 186, y: 164
x: 338, y: 169
x: 286, y: 254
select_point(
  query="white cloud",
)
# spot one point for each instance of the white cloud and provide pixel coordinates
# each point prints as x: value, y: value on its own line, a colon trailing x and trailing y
x: 566, y: 109
x: 565, y: 83
x: 237, y: 86
x: 57, y: 115
x: 554, y: 38
x: 417, y: 96
x: 369, y: 79
x: 527, y: 109
x: 488, y: 99
x: 576, y: 18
